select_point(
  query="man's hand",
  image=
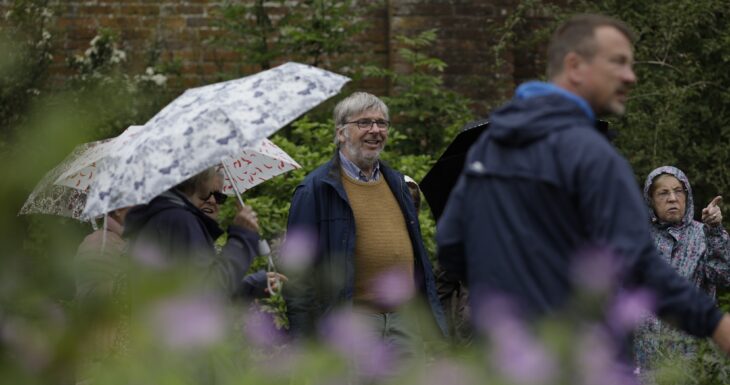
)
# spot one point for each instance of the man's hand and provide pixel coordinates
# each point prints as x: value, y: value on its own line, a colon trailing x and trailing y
x: 246, y: 218
x: 712, y: 214
x: 721, y: 335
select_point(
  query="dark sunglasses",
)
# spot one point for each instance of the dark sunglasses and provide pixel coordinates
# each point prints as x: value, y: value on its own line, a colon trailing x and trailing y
x: 219, y: 197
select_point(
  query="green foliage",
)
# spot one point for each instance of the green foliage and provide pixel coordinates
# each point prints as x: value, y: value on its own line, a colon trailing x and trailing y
x: 422, y: 108
x: 26, y: 43
x: 707, y: 365
x: 321, y: 31
x: 249, y: 29
x: 679, y: 110
x: 134, y: 97
x: 316, y: 32
x: 310, y: 144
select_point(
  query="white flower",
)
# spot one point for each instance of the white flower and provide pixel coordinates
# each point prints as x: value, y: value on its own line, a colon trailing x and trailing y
x: 159, y: 79
x: 150, y: 71
x: 118, y: 56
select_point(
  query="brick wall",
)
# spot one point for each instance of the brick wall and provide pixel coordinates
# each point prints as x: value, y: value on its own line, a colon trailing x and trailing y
x: 179, y: 29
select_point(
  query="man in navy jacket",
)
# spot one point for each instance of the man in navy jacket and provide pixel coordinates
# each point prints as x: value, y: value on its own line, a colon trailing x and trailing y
x: 365, y: 224
x: 543, y: 184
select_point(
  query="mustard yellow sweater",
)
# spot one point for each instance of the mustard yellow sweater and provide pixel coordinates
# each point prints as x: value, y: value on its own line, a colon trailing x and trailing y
x: 382, y: 243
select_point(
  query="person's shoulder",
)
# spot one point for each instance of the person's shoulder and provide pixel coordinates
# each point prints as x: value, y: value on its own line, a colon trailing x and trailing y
x: 317, y: 175
x: 586, y: 139
x: 390, y: 173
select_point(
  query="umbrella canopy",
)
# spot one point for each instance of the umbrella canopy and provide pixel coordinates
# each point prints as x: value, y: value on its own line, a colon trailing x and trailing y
x: 204, y: 126
x: 82, y: 169
x: 50, y: 198
x: 256, y: 165
x: 442, y: 177
x: 62, y: 191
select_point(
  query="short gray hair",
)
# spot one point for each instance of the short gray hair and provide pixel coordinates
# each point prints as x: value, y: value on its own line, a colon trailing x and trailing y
x: 354, y: 104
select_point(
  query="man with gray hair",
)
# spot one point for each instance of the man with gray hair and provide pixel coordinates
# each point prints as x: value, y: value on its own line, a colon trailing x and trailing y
x: 369, y: 245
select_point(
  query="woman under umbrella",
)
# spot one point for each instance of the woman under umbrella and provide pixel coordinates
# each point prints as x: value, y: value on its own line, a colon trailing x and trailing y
x: 177, y: 226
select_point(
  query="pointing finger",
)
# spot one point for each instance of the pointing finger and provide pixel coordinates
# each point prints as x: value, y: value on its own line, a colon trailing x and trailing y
x: 716, y: 201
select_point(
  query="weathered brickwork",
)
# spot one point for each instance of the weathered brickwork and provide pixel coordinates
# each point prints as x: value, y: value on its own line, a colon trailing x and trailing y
x: 180, y: 30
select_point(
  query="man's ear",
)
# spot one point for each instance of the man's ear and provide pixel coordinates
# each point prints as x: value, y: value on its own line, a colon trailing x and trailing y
x: 341, y: 134
x: 573, y: 65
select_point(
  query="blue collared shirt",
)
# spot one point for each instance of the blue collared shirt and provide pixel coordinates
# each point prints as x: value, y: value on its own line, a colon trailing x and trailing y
x: 536, y: 88
x: 354, y: 172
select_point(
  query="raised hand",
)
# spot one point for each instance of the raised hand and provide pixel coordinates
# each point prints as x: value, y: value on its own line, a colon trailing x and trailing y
x: 712, y: 214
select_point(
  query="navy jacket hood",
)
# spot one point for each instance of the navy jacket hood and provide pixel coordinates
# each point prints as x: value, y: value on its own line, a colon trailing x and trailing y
x: 527, y: 120
x: 138, y: 217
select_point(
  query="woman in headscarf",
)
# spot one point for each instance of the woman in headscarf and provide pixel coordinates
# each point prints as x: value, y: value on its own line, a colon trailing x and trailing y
x: 699, y: 251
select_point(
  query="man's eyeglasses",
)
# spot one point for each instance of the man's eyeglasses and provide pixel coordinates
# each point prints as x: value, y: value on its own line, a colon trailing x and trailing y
x: 366, y: 124
x: 665, y: 194
x: 220, y: 198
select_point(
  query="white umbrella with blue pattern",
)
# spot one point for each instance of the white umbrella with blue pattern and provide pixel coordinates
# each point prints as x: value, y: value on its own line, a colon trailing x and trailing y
x: 202, y: 127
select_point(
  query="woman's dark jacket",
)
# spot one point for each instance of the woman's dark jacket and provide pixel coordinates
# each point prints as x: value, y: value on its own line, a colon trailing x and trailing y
x: 170, y: 228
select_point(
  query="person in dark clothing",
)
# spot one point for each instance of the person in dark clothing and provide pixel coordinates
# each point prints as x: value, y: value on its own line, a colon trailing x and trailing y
x: 173, y: 228
x: 366, y: 227
x: 543, y: 184
x: 453, y: 294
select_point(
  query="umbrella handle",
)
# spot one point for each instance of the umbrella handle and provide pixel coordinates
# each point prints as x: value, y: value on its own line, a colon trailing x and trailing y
x: 233, y: 183
x: 263, y: 248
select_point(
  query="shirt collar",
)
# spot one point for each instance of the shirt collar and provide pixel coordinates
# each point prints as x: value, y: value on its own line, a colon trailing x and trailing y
x: 535, y: 88
x: 355, y: 172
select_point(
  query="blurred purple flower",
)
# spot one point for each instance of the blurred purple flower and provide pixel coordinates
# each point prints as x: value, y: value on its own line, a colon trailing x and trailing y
x: 516, y: 353
x: 490, y: 310
x: 189, y: 322
x: 596, y: 270
x: 393, y: 288
x: 148, y: 254
x: 299, y: 249
x: 520, y: 357
x: 349, y: 334
x: 283, y: 362
x: 260, y: 330
x: 630, y: 308
x: 448, y: 372
x: 30, y: 345
x: 598, y: 359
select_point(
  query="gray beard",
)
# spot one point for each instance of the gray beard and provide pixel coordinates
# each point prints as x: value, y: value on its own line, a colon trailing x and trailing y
x: 361, y: 162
